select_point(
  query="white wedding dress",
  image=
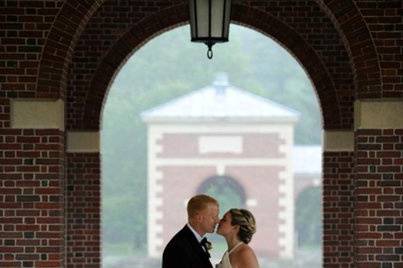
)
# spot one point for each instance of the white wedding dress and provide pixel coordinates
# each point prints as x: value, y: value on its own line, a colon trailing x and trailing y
x: 224, y: 263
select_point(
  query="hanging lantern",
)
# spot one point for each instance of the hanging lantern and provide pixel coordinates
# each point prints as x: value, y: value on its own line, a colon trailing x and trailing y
x: 209, y: 22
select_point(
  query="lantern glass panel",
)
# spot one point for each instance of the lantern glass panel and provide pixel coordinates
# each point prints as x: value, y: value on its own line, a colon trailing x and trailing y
x: 217, y: 13
x: 203, y: 18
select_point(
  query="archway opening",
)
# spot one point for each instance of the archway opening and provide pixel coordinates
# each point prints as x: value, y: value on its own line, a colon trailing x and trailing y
x: 229, y: 193
x: 148, y: 79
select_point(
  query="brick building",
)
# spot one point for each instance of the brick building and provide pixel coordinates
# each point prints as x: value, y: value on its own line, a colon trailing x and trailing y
x: 59, y: 57
x: 219, y: 131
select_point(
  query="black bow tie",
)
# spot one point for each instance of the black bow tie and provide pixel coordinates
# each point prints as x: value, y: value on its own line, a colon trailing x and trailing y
x: 205, y: 244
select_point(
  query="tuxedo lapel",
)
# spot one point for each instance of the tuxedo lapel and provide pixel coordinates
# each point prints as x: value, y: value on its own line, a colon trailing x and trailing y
x: 196, y: 246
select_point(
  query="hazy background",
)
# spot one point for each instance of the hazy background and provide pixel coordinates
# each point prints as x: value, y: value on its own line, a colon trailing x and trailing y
x: 167, y: 67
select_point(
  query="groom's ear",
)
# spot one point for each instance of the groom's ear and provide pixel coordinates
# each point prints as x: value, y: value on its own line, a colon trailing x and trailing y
x: 198, y: 217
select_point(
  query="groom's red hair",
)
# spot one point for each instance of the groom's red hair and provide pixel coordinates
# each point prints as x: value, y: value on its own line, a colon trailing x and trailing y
x: 198, y: 203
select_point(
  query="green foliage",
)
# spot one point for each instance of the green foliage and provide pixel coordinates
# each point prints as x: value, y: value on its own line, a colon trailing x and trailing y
x: 226, y: 191
x: 308, y: 219
x: 165, y: 68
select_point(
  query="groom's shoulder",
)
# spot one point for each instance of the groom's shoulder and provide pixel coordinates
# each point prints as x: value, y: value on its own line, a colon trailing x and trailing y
x: 177, y: 245
x: 179, y: 236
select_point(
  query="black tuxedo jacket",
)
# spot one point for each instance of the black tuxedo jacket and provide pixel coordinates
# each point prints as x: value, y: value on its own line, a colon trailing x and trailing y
x: 184, y: 251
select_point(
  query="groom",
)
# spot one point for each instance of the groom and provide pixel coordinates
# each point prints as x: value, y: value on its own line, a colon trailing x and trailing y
x: 188, y: 249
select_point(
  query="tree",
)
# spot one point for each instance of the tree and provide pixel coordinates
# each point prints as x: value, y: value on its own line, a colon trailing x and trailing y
x: 308, y: 217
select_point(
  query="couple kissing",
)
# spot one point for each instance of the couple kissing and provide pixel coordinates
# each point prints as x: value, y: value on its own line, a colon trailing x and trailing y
x: 189, y: 247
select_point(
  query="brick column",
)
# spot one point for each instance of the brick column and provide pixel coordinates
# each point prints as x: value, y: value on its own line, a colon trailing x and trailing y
x: 83, y: 206
x: 4, y: 113
x: 32, y: 185
x: 379, y: 184
x: 338, y: 200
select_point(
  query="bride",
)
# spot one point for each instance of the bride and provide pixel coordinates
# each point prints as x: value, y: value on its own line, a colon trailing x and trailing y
x: 237, y: 227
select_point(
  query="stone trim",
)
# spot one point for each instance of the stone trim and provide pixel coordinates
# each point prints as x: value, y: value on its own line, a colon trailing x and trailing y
x: 37, y: 114
x: 378, y: 114
x: 83, y: 141
x: 338, y: 140
x: 221, y: 128
x: 155, y: 201
x: 219, y: 161
x: 286, y: 215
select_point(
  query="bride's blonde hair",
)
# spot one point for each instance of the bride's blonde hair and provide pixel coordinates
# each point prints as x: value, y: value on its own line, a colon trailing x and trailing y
x: 246, y: 222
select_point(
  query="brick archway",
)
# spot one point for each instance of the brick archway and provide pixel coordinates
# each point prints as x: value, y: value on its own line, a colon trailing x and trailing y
x: 57, y: 52
x: 221, y: 181
x: 305, y: 54
x: 56, y: 55
x: 123, y: 49
x: 359, y: 43
x: 337, y: 112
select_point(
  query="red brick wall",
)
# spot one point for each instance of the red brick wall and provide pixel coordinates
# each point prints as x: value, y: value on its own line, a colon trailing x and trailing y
x: 187, y: 146
x: 24, y: 29
x: 338, y: 204
x: 4, y: 113
x: 384, y: 20
x: 348, y: 20
x: 31, y: 198
x: 83, y: 210
x: 68, y: 25
x: 379, y: 198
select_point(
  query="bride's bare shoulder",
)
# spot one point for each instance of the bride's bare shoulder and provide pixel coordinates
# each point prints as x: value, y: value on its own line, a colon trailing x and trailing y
x: 245, y: 257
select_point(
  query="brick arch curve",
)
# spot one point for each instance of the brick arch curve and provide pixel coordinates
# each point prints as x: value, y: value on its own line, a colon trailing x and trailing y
x: 223, y: 180
x: 132, y: 40
x: 164, y: 21
x: 58, y: 50
x: 303, y: 53
x: 359, y: 44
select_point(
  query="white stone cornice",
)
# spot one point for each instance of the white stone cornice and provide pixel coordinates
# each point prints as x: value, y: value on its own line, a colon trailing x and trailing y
x: 219, y: 161
x: 83, y: 142
x: 338, y: 140
x: 378, y: 114
x: 37, y: 113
